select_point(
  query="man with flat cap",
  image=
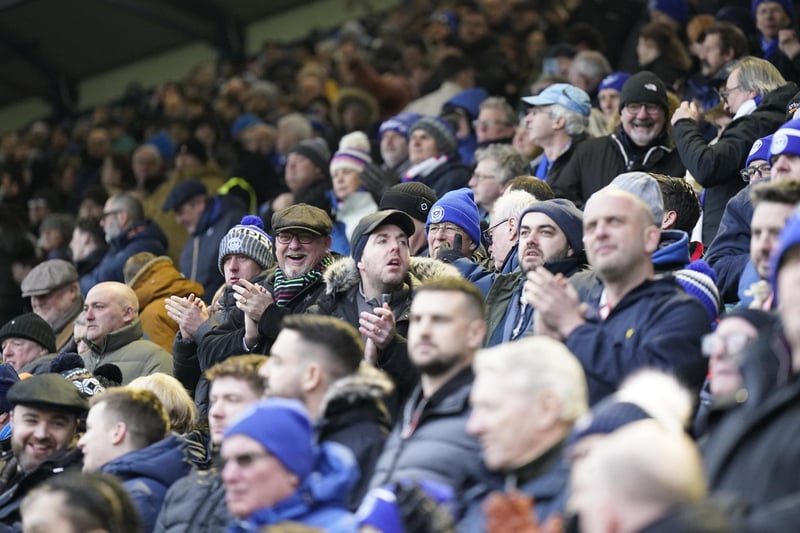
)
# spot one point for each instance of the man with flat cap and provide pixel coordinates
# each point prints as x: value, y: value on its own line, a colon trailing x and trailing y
x: 45, y: 418
x: 302, y: 251
x: 55, y: 294
x: 207, y: 219
x: 28, y: 343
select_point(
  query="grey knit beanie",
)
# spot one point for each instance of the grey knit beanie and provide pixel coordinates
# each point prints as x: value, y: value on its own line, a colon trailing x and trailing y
x: 249, y: 239
x: 440, y: 131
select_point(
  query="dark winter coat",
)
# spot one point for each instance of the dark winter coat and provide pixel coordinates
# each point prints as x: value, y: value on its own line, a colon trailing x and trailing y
x: 199, y: 255
x: 703, y: 517
x: 730, y: 250
x: 752, y: 452
x: 596, y: 162
x: 654, y: 325
x: 147, y: 473
x: 142, y: 237
x: 194, y: 504
x: 716, y: 166
x: 437, y: 447
x: 355, y: 415
x: 449, y: 176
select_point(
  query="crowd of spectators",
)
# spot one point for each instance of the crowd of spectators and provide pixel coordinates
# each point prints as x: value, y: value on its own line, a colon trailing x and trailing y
x: 470, y: 265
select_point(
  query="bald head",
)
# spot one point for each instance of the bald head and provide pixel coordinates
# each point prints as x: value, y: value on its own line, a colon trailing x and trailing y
x: 636, y: 475
x: 109, y: 307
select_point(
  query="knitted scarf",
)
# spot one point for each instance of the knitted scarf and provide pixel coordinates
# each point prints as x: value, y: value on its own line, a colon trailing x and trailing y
x: 285, y: 289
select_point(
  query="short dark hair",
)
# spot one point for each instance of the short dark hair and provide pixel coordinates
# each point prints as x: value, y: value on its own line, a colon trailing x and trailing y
x: 476, y: 304
x: 340, y: 339
x: 241, y: 367
x: 730, y: 38
x: 140, y: 409
x: 91, y: 226
x: 533, y: 185
x: 92, y: 502
x: 679, y: 196
x: 779, y: 192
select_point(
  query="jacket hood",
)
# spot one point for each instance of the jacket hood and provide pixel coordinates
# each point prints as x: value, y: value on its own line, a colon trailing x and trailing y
x: 673, y: 250
x: 469, y: 100
x: 158, y: 279
x: 369, y: 384
x: 164, y: 461
x: 141, y: 231
x: 342, y: 275
x: 334, y: 475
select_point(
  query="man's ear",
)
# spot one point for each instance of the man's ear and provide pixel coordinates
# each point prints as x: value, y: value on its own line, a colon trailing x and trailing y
x: 118, y: 433
x: 559, y: 124
x: 652, y: 236
x: 670, y: 217
x: 312, y: 377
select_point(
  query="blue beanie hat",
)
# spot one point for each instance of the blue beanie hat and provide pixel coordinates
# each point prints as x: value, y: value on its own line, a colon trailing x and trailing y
x: 786, y: 140
x: 243, y: 122
x: 164, y: 144
x: 606, y: 417
x: 700, y: 281
x: 615, y: 81
x: 284, y: 429
x: 785, y: 4
x: 676, y: 9
x: 459, y: 208
x: 399, y: 123
x: 789, y: 238
x: 759, y: 150
x: 566, y: 216
x: 8, y: 376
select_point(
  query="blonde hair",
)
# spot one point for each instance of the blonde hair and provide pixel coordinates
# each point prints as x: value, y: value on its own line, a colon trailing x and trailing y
x: 179, y: 405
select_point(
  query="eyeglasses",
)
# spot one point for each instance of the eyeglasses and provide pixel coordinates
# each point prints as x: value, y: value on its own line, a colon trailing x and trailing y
x: 110, y: 214
x: 304, y: 237
x: 749, y: 173
x: 732, y: 344
x: 245, y: 460
x: 636, y: 107
x: 447, y: 229
x: 487, y: 233
x: 480, y: 124
x: 725, y: 93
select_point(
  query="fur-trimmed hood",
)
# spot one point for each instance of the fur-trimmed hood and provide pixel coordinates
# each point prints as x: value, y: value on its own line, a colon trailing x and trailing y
x: 342, y: 275
x: 368, y: 384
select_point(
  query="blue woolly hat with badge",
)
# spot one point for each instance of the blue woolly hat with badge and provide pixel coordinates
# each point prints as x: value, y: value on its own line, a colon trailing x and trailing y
x: 786, y: 140
x: 760, y: 150
x: 457, y: 207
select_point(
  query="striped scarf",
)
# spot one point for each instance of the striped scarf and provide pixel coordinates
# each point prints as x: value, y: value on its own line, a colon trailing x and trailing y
x: 285, y: 289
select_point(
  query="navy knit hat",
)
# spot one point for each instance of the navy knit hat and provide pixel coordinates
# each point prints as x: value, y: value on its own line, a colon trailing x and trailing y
x: 459, y: 208
x: 441, y: 132
x: 606, y: 417
x: 284, y: 429
x: 248, y: 238
x: 566, y: 216
x: 32, y: 327
x: 785, y: 4
x: 399, y: 123
x: 8, y: 376
x: 786, y: 140
x: 759, y: 150
x: 676, y: 9
x: 644, y: 88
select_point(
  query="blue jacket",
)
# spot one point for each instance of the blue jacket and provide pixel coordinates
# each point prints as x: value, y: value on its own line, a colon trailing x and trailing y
x: 657, y: 324
x: 143, y: 237
x: 321, y: 500
x: 672, y: 252
x: 730, y: 250
x: 199, y: 256
x: 146, y: 474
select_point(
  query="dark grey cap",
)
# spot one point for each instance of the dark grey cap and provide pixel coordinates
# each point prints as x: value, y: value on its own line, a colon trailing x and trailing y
x: 48, y: 391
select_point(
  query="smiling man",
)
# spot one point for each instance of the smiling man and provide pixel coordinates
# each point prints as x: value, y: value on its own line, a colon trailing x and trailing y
x: 641, y: 142
x: 45, y: 420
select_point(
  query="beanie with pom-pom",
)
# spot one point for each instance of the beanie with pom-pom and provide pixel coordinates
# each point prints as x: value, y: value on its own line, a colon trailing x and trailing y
x: 353, y: 153
x: 249, y: 239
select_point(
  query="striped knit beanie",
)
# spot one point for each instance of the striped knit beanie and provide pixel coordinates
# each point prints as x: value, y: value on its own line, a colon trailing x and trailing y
x: 353, y: 153
x: 249, y: 239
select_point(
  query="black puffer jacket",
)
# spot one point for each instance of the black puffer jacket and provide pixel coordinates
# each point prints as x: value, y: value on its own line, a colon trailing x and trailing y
x: 194, y: 504
x: 716, y: 166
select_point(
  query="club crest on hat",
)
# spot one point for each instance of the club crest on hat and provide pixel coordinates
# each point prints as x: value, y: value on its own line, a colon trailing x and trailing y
x: 437, y: 214
x: 779, y: 142
x: 651, y: 87
x: 756, y: 147
x: 234, y: 244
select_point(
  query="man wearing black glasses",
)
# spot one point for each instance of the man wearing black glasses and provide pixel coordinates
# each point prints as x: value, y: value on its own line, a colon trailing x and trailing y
x: 641, y: 142
x: 756, y: 95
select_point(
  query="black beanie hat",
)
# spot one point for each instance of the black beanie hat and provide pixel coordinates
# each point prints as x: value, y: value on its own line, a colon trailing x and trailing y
x: 30, y: 326
x: 646, y: 88
x: 413, y: 198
